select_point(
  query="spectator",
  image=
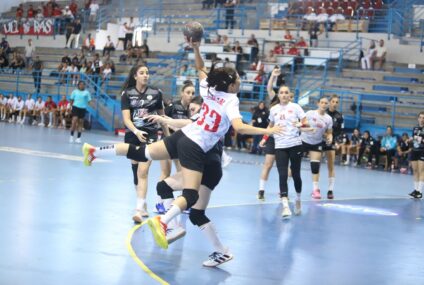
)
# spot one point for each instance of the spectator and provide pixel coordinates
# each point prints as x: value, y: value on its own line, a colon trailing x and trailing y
x: 4, y: 62
x: 75, y: 34
x: 255, y: 46
x: 19, y: 12
x: 313, y: 35
x: 83, y: 69
x: 353, y: 148
x: 354, y: 107
x: 109, y: 46
x: 129, y: 33
x: 64, y: 112
x: 66, y: 59
x: 96, y: 67
x: 38, y: 112
x: 64, y: 70
x: 260, y: 76
x: 368, y: 146
x: 106, y: 73
x: 16, y: 110
x: 217, y: 40
x: 278, y: 48
x: 17, y: 62
x: 293, y: 50
x: 121, y: 35
x: 301, y: 43
x: 67, y: 14
x: 69, y: 27
x: 145, y: 49
x: 75, y: 60
x: 39, y: 15
x: 228, y: 63
x: 388, y: 148
x: 108, y: 60
x: 94, y: 7
x: 4, y: 45
x: 404, y: 148
x: 229, y: 13
x: 74, y: 74
x: 50, y: 111
x: 309, y: 19
x: 37, y: 70
x: 207, y: 4
x: 30, y: 12
x: 88, y: 45
x: 29, y: 52
x: 259, y: 120
x: 336, y: 18
x: 28, y: 108
x: 366, y: 60
x: 288, y: 36
x: 322, y: 17
x: 271, y: 56
x: 184, y: 70
x: 237, y: 48
x: 73, y: 7
x: 380, y: 55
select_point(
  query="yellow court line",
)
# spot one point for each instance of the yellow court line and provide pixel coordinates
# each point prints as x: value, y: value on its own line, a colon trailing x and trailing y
x: 137, y: 259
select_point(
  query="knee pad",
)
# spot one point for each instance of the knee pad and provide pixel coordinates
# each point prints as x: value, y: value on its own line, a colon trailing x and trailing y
x: 137, y: 153
x: 198, y: 217
x: 212, y: 176
x: 191, y: 197
x: 134, y: 170
x: 164, y: 191
x: 315, y: 167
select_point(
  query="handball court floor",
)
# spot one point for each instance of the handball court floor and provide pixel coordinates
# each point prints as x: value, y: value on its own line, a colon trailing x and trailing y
x: 62, y: 223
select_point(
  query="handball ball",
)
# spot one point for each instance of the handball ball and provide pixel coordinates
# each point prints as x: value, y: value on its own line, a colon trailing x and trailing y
x: 194, y: 31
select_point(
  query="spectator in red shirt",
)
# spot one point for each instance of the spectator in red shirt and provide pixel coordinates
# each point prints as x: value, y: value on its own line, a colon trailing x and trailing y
x: 57, y: 12
x: 259, y: 79
x: 20, y: 12
x: 278, y: 48
x: 46, y: 11
x: 293, y: 50
x: 30, y: 12
x: 288, y: 36
x: 50, y: 110
x: 73, y: 7
x: 302, y: 43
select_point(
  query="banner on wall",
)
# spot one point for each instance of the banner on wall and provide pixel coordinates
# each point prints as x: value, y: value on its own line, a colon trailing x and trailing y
x: 31, y: 27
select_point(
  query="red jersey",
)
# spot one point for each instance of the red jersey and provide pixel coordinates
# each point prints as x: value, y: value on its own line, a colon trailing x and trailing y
x: 50, y: 105
x: 288, y: 37
x: 302, y: 44
x: 30, y: 13
x: 278, y: 50
x: 19, y: 13
x: 63, y: 105
x: 293, y: 51
x: 73, y: 7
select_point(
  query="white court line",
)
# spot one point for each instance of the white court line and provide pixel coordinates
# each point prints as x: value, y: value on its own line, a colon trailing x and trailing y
x: 313, y: 201
x: 45, y: 154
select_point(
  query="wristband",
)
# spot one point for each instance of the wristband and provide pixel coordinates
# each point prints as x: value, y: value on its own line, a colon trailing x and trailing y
x: 265, y: 137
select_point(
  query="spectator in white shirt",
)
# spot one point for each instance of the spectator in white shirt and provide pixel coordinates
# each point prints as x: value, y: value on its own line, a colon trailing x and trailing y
x: 94, y: 7
x: 29, y: 52
x: 322, y: 16
x: 380, y: 55
x: 38, y: 109
x: 109, y: 46
x: 28, y: 108
x: 66, y: 13
x: 121, y: 35
x: 336, y: 17
x: 366, y: 61
x: 107, y: 72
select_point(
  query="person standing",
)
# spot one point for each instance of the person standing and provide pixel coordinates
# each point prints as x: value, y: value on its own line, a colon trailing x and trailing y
x: 229, y: 13
x: 259, y: 120
x: 417, y: 157
x: 75, y: 34
x: 37, y: 70
x: 80, y: 98
x: 29, y: 52
x: 129, y: 33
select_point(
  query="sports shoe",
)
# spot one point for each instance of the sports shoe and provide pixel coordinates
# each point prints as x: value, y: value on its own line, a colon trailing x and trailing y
x: 345, y: 162
x: 330, y: 195
x: 160, y: 208
x: 137, y: 217
x: 50, y: 125
x: 226, y: 160
x: 297, y: 207
x: 286, y: 213
x: 316, y: 194
x: 71, y: 139
x: 41, y: 124
x: 159, y: 231
x: 217, y: 258
x: 78, y: 140
x: 88, y: 153
x: 404, y: 170
x: 416, y: 194
x: 261, y: 195
x: 173, y: 234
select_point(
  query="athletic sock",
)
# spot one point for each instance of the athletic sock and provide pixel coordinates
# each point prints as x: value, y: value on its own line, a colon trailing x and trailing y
x: 331, y: 182
x: 315, y: 185
x: 140, y: 203
x: 108, y: 150
x: 348, y: 158
x: 172, y: 213
x: 167, y: 203
x: 416, y: 185
x: 298, y: 196
x: 209, y: 231
x: 421, y: 186
x: 262, y: 183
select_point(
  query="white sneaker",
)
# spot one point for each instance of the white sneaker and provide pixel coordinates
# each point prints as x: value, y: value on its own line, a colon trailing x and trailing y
x: 41, y: 124
x: 22, y: 121
x: 71, y: 139
x: 226, y: 159
x: 34, y: 123
x: 217, y: 258
x: 286, y: 214
x: 50, y: 125
x: 297, y: 207
x: 78, y: 140
x: 10, y: 120
x: 173, y: 234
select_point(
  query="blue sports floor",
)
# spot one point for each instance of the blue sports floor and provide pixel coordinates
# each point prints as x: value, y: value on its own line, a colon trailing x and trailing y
x: 62, y: 223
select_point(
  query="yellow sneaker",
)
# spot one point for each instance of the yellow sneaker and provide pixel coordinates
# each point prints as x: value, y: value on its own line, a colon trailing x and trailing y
x: 88, y: 153
x: 159, y: 231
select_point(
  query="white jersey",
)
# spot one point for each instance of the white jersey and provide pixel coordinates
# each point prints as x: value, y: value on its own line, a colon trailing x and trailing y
x: 29, y: 104
x: 218, y: 110
x: 19, y: 105
x: 3, y: 101
x: 287, y: 116
x: 320, y: 124
x: 11, y: 102
x: 39, y: 106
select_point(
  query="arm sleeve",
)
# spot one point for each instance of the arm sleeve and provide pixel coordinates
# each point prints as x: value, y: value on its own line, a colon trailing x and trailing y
x: 203, y: 88
x: 125, y: 104
x: 159, y: 104
x: 232, y: 109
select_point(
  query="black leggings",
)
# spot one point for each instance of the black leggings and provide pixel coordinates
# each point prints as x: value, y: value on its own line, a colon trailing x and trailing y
x: 282, y: 157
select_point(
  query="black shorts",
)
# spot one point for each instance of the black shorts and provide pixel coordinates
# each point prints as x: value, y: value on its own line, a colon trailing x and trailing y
x: 312, y: 147
x: 270, y: 146
x: 132, y: 139
x: 417, y: 155
x: 190, y: 154
x: 328, y: 147
x: 78, y: 112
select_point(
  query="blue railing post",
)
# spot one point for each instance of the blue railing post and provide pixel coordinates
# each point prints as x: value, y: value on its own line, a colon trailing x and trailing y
x: 393, y: 111
x: 340, y: 64
x: 169, y: 28
x: 17, y: 82
x: 358, y: 111
x: 243, y: 11
x: 390, y: 23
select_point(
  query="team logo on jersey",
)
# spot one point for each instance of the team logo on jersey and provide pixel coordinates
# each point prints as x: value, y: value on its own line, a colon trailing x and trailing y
x: 149, y: 97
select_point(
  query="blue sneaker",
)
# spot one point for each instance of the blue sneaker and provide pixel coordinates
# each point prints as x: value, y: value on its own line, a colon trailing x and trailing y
x: 160, y: 209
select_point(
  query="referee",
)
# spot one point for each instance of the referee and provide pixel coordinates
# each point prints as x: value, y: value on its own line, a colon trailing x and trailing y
x: 80, y: 98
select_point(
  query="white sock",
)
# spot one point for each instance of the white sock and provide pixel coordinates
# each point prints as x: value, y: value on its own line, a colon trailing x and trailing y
x: 315, y: 185
x: 172, y: 213
x: 147, y: 154
x: 107, y: 150
x: 416, y: 185
x: 331, y: 182
x: 348, y: 158
x: 262, y: 184
x: 50, y: 118
x: 298, y: 196
x: 421, y: 186
x: 140, y: 203
x: 167, y: 203
x: 209, y: 231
